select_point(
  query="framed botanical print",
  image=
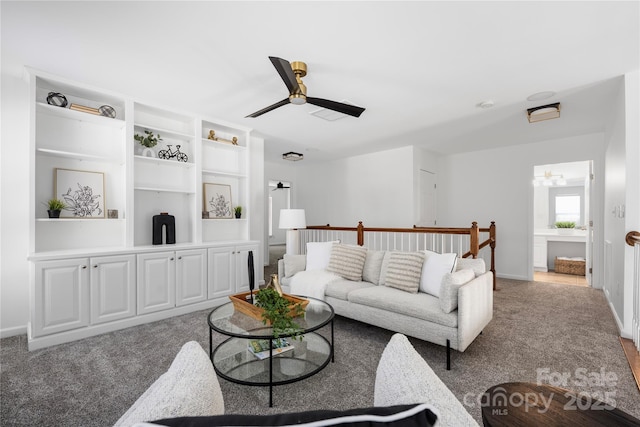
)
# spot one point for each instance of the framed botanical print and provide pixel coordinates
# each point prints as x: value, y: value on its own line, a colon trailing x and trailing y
x: 217, y: 200
x: 81, y: 191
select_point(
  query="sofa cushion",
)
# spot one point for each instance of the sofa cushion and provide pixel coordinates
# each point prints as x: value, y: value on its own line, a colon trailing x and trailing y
x: 318, y: 254
x: 435, y: 267
x: 422, y: 306
x: 477, y: 265
x: 347, y: 261
x: 404, y: 377
x: 451, y: 282
x: 403, y: 271
x: 341, y: 288
x: 294, y: 264
x: 414, y: 415
x: 372, y: 266
x: 189, y: 388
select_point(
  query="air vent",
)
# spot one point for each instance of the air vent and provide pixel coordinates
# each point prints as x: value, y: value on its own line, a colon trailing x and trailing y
x: 330, y: 115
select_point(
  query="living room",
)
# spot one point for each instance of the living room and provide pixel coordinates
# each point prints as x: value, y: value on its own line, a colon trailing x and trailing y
x: 365, y: 169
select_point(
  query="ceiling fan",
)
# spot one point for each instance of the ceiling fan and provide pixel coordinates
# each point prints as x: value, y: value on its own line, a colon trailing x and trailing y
x: 291, y: 74
x: 280, y: 186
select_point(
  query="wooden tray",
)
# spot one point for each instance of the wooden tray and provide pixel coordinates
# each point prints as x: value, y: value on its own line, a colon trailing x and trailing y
x: 243, y: 306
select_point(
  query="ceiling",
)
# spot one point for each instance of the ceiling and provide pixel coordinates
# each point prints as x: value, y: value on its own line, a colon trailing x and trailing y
x: 419, y: 68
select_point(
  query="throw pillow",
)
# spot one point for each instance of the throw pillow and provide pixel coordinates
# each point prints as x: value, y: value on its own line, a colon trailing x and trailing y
x: 318, y: 254
x: 404, y: 270
x: 418, y: 415
x: 435, y: 267
x: 294, y: 264
x: 347, y: 261
x: 451, y: 282
x: 384, y: 267
x: 372, y: 266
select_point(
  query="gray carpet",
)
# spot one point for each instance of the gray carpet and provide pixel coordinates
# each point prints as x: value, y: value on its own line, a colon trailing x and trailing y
x: 560, y: 328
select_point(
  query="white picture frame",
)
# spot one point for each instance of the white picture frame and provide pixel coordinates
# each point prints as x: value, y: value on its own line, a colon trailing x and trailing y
x: 81, y: 191
x: 217, y: 200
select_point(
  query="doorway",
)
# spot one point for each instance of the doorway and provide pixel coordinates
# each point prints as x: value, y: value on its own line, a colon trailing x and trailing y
x: 562, y: 226
x: 279, y: 198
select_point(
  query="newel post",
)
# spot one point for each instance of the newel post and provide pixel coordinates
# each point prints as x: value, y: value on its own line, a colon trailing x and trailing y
x: 492, y: 236
x: 474, y: 244
x: 360, y: 233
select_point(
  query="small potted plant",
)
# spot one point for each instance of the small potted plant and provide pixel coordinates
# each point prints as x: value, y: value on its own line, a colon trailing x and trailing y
x: 278, y: 311
x: 238, y: 211
x: 54, y: 206
x: 565, y: 227
x: 149, y: 140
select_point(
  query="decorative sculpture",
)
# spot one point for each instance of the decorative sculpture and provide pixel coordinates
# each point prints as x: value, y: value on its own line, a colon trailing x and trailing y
x: 168, y: 222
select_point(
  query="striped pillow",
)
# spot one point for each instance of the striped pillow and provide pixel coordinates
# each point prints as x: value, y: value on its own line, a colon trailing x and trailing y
x: 404, y: 271
x: 347, y: 261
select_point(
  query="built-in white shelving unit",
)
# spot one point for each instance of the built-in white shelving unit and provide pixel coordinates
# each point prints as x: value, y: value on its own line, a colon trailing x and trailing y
x: 89, y: 273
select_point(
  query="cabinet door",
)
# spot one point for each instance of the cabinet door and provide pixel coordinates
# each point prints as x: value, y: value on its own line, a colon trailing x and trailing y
x: 61, y: 296
x: 156, y: 282
x: 221, y: 280
x: 540, y: 253
x: 113, y: 288
x: 191, y: 276
x: 242, y: 267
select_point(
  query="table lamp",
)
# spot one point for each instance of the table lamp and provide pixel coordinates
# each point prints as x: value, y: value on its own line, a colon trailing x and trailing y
x: 292, y: 220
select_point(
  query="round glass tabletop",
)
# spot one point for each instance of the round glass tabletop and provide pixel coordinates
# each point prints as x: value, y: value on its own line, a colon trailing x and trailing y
x: 227, y: 321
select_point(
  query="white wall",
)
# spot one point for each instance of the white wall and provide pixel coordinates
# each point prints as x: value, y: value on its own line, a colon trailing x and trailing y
x: 495, y: 185
x: 376, y: 188
x: 14, y: 225
x: 614, y: 198
x: 257, y: 200
x: 632, y: 191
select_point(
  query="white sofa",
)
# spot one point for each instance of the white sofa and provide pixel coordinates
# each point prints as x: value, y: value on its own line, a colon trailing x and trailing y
x: 450, y: 311
x: 189, y: 393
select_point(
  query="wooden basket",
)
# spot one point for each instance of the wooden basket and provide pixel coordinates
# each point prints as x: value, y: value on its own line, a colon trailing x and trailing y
x: 570, y: 266
x: 243, y: 306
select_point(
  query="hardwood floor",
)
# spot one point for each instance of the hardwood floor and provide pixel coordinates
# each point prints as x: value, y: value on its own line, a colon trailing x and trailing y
x: 566, y: 279
x: 633, y: 357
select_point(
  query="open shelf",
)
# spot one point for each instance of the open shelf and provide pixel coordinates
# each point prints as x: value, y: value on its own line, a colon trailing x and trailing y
x: 224, y: 173
x: 166, y: 132
x: 75, y: 155
x: 79, y: 115
x: 164, y: 190
x: 162, y: 162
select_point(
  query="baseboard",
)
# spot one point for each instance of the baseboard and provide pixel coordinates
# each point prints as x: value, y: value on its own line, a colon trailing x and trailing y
x: 633, y: 357
x: 12, y: 332
x: 511, y: 277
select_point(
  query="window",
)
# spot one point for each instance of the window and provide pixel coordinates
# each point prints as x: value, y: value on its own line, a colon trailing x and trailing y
x: 568, y: 208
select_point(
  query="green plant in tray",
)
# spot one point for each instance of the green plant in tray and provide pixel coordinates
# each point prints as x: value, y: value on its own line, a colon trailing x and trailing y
x: 277, y: 310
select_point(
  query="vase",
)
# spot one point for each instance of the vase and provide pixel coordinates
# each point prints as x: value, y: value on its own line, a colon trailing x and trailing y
x: 238, y: 215
x: 274, y: 283
x: 54, y: 214
x: 565, y: 231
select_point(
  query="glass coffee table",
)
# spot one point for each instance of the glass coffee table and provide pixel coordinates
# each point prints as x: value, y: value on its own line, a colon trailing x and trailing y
x: 233, y: 360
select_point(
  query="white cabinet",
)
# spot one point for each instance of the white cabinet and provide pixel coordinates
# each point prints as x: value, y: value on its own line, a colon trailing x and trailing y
x: 539, y: 253
x: 156, y: 281
x: 191, y: 276
x: 61, y: 296
x: 113, y: 288
x: 228, y: 269
x: 170, y: 279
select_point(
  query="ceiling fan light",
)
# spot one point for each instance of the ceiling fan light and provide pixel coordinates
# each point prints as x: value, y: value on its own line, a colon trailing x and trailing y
x: 298, y: 99
x: 544, y: 112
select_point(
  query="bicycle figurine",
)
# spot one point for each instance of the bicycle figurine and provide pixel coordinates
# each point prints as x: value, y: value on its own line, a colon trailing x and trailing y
x: 170, y: 154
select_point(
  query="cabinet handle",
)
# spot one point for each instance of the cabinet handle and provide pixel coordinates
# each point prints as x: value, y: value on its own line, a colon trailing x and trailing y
x: 179, y: 257
x: 84, y: 266
x: 95, y: 266
x: 171, y: 259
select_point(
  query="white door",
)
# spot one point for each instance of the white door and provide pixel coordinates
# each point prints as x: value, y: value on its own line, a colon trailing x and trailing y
x: 113, y: 288
x: 156, y: 282
x: 191, y: 276
x: 428, y: 199
x: 242, y: 267
x: 61, y: 296
x: 221, y: 274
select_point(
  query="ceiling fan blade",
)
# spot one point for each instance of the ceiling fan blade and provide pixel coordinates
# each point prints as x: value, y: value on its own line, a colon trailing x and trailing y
x: 269, y: 108
x: 284, y: 69
x: 340, y: 107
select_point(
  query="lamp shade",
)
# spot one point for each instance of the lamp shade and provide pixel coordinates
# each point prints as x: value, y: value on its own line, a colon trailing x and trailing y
x: 292, y: 218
